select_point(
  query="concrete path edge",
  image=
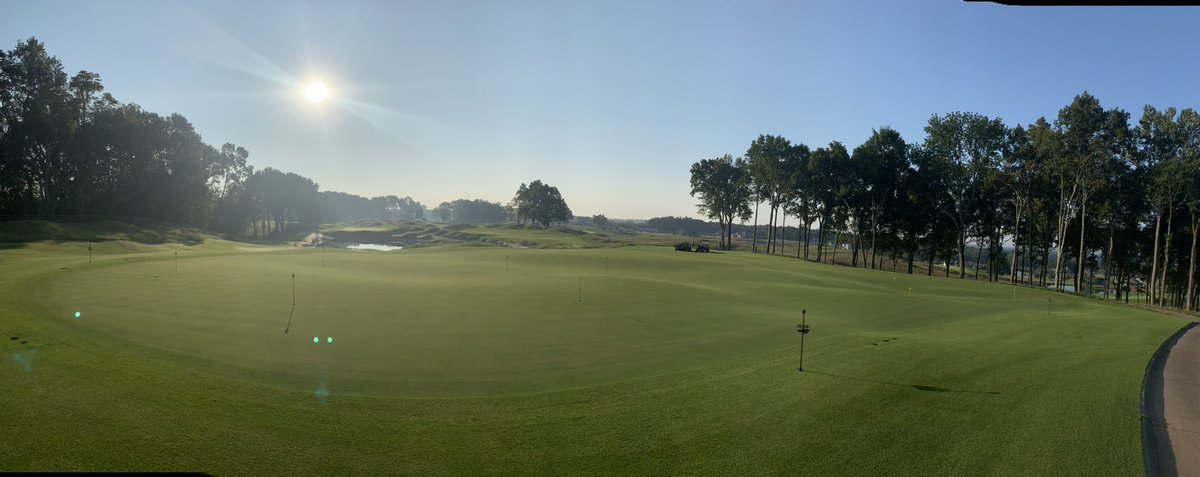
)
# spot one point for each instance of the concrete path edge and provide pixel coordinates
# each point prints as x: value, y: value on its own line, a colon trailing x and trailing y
x: 1157, y: 455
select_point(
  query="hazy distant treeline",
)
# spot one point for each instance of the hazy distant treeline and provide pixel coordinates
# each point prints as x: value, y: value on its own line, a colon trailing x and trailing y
x: 68, y: 147
x: 537, y: 203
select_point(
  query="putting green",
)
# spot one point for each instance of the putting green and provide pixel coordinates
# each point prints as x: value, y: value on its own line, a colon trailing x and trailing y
x: 490, y: 360
x: 426, y: 322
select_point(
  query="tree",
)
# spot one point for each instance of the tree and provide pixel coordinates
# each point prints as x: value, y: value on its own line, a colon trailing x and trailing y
x: 828, y: 169
x: 771, y: 161
x: 912, y: 208
x: 541, y: 204
x: 1018, y: 168
x: 682, y: 226
x: 36, y: 127
x: 1160, y: 148
x: 1086, y: 156
x: 600, y: 221
x: 879, y: 164
x: 443, y: 212
x: 279, y: 198
x: 477, y: 211
x: 723, y: 187
x: 965, y: 147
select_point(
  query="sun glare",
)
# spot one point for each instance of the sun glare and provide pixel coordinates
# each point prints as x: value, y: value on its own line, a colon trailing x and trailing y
x: 316, y: 92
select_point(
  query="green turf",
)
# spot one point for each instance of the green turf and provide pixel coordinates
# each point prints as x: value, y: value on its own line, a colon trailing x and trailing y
x: 444, y: 362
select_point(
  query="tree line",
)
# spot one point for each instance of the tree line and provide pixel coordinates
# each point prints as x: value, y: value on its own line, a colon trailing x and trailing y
x: 67, y: 147
x: 1059, y: 202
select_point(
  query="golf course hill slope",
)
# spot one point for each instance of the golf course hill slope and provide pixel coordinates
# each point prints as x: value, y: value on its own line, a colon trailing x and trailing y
x: 415, y: 234
x: 581, y: 357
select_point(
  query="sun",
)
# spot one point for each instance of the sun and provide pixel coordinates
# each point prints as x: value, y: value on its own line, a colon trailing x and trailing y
x: 316, y: 92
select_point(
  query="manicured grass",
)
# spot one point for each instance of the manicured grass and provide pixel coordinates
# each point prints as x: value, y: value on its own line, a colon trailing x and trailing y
x: 444, y: 362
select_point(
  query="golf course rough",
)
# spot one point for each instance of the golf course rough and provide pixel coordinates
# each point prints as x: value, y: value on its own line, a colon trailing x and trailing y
x: 668, y: 363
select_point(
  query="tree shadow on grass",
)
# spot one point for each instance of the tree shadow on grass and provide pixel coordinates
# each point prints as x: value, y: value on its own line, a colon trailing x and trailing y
x: 918, y: 387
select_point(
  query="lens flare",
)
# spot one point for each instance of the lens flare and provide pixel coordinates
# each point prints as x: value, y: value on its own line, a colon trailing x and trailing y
x: 323, y: 393
x: 316, y: 339
x: 330, y: 340
x: 77, y: 314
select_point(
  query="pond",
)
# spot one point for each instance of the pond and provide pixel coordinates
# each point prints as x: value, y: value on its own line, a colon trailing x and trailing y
x: 372, y: 246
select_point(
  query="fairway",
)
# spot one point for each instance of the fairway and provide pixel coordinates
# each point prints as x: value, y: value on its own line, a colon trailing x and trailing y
x: 473, y: 360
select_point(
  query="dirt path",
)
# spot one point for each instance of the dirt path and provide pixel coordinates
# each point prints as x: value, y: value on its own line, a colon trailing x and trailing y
x: 1171, y: 405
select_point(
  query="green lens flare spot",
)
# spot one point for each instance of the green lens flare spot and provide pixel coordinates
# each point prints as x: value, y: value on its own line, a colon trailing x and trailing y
x: 316, y: 339
x: 329, y: 340
x: 77, y: 314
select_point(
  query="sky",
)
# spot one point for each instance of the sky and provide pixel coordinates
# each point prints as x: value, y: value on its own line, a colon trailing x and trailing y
x: 611, y: 101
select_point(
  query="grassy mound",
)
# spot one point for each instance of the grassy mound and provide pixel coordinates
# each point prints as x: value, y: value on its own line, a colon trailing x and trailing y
x: 37, y: 230
x: 413, y: 234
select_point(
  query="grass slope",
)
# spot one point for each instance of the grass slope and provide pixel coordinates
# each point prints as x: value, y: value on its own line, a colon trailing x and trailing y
x: 443, y: 362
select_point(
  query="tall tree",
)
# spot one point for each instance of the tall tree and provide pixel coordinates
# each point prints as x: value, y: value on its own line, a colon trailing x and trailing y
x: 770, y: 161
x: 541, y: 204
x: 1159, y: 143
x: 965, y: 147
x: 879, y: 164
x: 828, y: 167
x: 36, y: 127
x: 723, y: 187
x: 1087, y: 155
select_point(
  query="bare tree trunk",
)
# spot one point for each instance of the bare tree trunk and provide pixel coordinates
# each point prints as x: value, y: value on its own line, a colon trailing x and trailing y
x: 754, y: 240
x: 860, y: 244
x: 1091, y: 280
x: 854, y: 244
x: 1190, y: 304
x: 800, y: 234
x: 821, y: 241
x: 962, y: 261
x: 770, y: 225
x: 1045, y: 264
x: 1162, y: 284
x: 783, y: 236
x: 1082, y: 251
x: 771, y: 229
x: 1012, y: 274
x: 933, y: 230
x: 874, y: 228
x: 721, y: 234
x: 837, y: 238
x: 978, y: 257
x: 1058, y: 258
x: 854, y: 251
x: 807, y: 226
x: 774, y: 240
x: 729, y: 235
x: 1108, y: 269
x: 1150, y: 290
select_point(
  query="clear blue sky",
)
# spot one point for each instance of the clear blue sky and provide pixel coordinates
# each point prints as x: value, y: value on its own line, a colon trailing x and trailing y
x: 611, y: 101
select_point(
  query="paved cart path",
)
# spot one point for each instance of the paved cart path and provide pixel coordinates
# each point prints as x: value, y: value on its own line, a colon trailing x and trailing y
x: 1171, y: 406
